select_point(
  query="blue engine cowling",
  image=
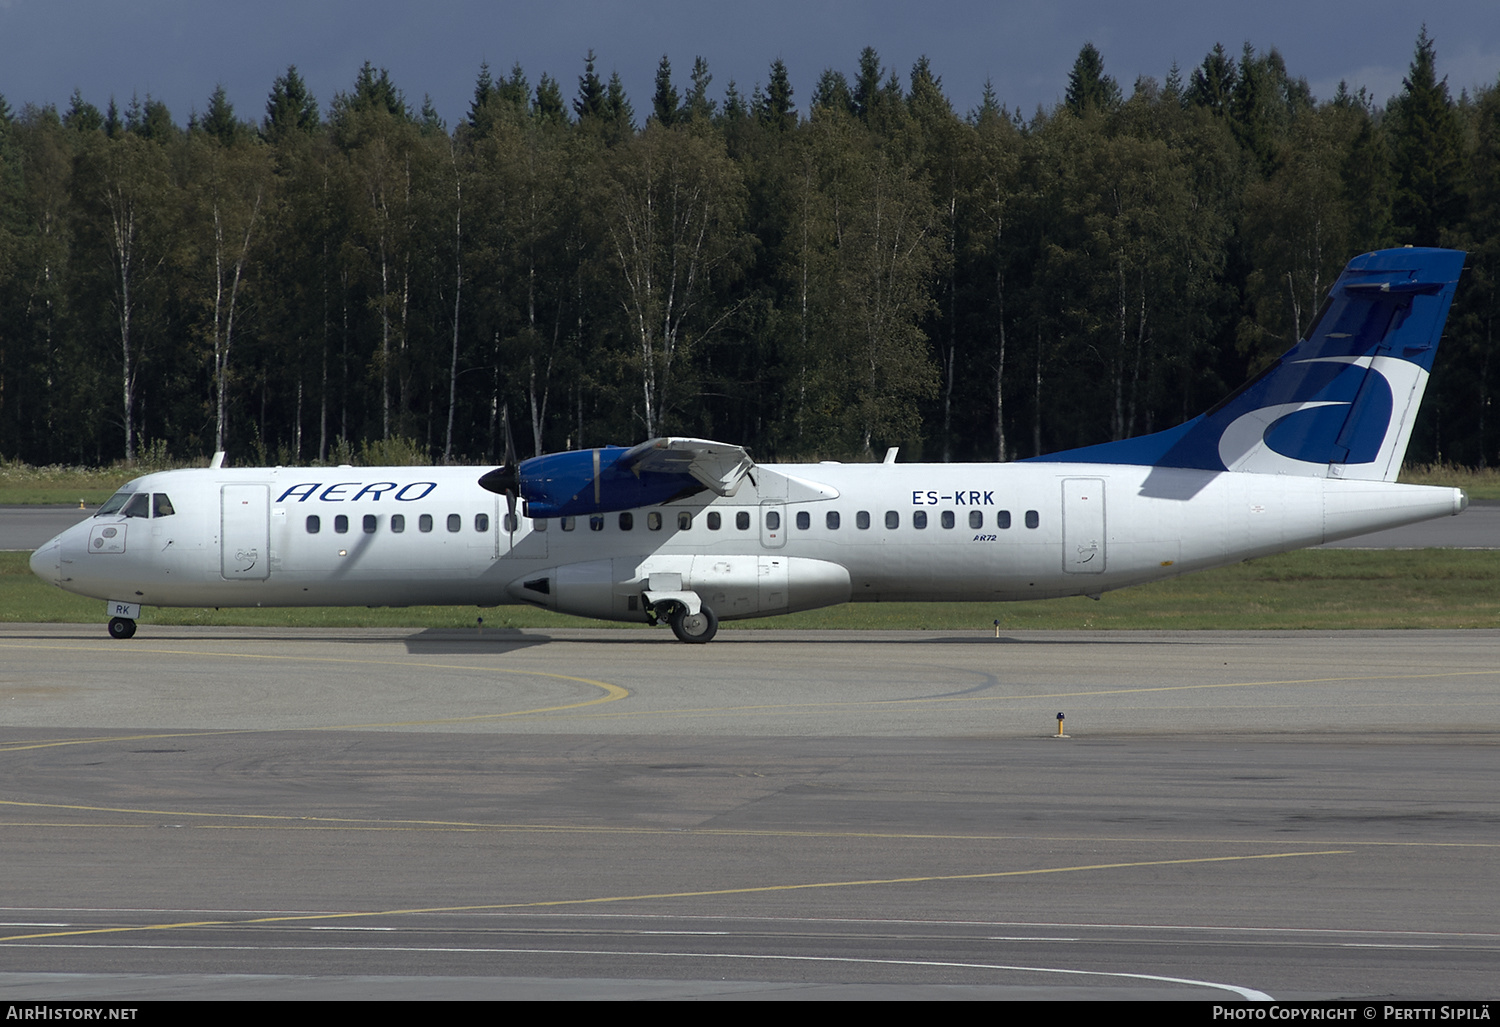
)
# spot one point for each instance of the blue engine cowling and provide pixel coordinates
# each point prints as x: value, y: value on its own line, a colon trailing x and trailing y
x: 588, y: 481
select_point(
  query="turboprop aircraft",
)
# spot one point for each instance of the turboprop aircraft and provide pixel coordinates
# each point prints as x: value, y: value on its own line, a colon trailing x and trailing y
x: 692, y: 531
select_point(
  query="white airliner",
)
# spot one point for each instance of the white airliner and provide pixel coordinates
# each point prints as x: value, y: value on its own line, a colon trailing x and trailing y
x: 694, y: 532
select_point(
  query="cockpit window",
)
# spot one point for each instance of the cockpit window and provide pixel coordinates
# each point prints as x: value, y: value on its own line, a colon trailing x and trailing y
x: 138, y: 505
x: 118, y: 500
x: 161, y: 506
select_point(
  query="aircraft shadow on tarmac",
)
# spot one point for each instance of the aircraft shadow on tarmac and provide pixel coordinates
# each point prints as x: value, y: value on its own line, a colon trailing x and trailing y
x: 468, y: 641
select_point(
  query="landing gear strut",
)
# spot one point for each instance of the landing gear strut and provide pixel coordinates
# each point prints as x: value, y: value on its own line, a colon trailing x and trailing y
x: 694, y: 628
x: 121, y: 627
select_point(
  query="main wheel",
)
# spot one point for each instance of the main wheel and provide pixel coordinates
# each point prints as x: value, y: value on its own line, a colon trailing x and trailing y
x: 695, y: 628
x: 121, y: 627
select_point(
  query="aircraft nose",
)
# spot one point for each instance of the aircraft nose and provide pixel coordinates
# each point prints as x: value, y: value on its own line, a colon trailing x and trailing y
x: 44, y: 562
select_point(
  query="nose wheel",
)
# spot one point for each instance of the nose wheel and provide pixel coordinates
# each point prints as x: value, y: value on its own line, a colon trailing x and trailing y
x: 121, y: 627
x: 694, y: 628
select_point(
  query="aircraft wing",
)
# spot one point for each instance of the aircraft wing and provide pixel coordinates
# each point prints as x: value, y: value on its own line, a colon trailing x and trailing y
x: 718, y: 466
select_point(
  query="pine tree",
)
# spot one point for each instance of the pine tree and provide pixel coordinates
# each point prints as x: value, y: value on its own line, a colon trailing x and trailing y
x: 83, y: 116
x: 290, y: 107
x: 1214, y: 81
x: 1173, y: 90
x: 867, y: 83
x: 1089, y: 89
x: 734, y: 103
x: 375, y: 91
x: 591, y: 100
x: 515, y: 92
x: 484, y: 88
x: 698, y: 105
x: 548, y: 107
x: 219, y: 121
x: 832, y: 93
x: 618, y: 113
x: 989, y: 104
x: 155, y: 121
x: 429, y: 118
x: 1427, y: 153
x: 776, y: 111
x: 665, y: 101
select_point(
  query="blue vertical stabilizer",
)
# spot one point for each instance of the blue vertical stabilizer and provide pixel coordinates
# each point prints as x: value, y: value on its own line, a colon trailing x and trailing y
x: 1341, y: 402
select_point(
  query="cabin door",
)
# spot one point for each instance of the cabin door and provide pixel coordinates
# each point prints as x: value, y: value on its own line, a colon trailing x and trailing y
x: 244, y: 533
x: 1083, y: 525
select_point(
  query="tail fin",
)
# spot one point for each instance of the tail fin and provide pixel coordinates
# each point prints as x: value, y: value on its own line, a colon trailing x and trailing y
x: 1340, y: 403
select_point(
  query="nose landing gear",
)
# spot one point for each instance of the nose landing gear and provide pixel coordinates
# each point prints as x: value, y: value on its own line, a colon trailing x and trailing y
x: 121, y: 627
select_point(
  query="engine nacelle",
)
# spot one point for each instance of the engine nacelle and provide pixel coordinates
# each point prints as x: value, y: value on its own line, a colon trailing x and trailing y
x: 589, y: 481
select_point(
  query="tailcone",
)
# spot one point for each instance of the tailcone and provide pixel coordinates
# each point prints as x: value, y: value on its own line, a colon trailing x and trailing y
x: 1358, y: 507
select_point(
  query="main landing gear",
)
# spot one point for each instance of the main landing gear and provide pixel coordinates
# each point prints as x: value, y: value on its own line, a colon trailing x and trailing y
x: 694, y: 628
x: 121, y: 627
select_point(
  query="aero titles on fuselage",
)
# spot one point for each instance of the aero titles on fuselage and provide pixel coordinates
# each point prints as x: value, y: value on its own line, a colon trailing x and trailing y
x: 339, y: 492
x: 971, y: 498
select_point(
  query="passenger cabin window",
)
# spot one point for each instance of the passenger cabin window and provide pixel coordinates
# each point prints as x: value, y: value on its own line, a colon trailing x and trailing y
x: 512, y: 522
x: 862, y: 520
x: 537, y: 523
x: 455, y: 522
x: 369, y: 524
x: 684, y: 521
x: 804, y: 520
x: 832, y: 520
x: 596, y: 522
x: 742, y: 521
x: 773, y: 520
x: 892, y: 519
x: 314, y: 524
x: 919, y: 519
x: 653, y: 521
x: 947, y: 518
x: 424, y: 523
x: 976, y: 518
x: 1032, y: 519
x: 568, y: 523
x: 1002, y: 520
x: 398, y: 523
x: 714, y: 520
x: 341, y: 524
x: 481, y: 523
x: 161, y: 506
x: 627, y: 521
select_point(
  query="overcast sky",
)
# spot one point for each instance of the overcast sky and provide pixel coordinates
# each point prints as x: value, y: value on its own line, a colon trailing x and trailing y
x: 179, y: 50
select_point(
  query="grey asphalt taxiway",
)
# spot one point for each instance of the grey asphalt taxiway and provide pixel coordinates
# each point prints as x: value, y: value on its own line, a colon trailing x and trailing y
x: 233, y: 813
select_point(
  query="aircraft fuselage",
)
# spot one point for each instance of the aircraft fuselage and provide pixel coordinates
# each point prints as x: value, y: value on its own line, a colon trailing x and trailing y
x: 792, y: 537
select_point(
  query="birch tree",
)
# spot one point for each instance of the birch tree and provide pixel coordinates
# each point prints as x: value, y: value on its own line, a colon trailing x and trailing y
x: 674, y: 223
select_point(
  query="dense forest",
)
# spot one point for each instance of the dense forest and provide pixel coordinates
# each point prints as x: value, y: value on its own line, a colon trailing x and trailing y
x: 870, y: 268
